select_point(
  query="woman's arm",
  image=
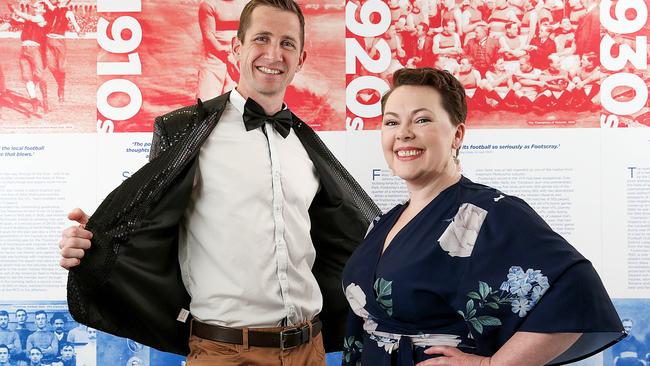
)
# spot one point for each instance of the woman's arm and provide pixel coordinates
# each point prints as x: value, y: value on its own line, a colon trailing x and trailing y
x: 523, y: 348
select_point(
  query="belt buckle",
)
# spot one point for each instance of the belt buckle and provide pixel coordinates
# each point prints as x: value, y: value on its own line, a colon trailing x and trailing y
x: 286, y: 333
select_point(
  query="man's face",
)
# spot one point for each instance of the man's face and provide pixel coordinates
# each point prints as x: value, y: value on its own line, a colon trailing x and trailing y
x: 465, y: 65
x: 4, y: 355
x: 21, y: 317
x: 67, y: 352
x: 481, y: 32
x: 58, y: 325
x: 500, y: 65
x: 585, y: 64
x: 513, y: 30
x: 555, y: 64
x: 627, y: 325
x: 39, y: 8
x: 4, y: 321
x: 92, y: 333
x: 40, y: 321
x: 525, y: 66
x: 544, y: 32
x: 450, y: 27
x: 35, y: 356
x: 270, y: 54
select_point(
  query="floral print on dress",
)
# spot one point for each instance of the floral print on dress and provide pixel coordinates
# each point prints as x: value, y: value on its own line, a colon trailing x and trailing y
x: 384, y: 290
x: 351, y: 346
x: 460, y: 236
x: 522, y: 290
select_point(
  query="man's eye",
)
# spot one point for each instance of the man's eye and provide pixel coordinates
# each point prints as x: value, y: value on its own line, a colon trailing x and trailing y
x: 423, y: 120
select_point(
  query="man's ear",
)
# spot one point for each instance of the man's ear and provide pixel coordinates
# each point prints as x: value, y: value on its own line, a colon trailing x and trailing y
x: 235, y: 45
x: 301, y: 61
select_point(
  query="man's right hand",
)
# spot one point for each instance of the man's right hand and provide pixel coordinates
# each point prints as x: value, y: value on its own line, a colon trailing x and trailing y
x: 75, y: 240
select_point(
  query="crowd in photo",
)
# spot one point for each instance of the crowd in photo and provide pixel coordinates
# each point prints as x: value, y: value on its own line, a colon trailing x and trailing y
x: 50, y: 339
x: 517, y: 55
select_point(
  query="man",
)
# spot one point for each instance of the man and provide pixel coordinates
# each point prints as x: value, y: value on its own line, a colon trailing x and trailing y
x: 32, y: 38
x: 542, y: 47
x: 66, y: 355
x: 447, y: 46
x: 4, y: 355
x: 58, y: 17
x: 58, y: 324
x: 218, y: 20
x: 9, y: 338
x: 35, y: 356
x: 42, y: 339
x: 23, y: 332
x: 482, y: 50
x: 246, y: 230
x: 629, y: 351
x: 512, y: 45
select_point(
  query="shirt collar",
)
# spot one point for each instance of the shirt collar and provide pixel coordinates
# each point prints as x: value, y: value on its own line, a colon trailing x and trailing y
x: 238, y: 101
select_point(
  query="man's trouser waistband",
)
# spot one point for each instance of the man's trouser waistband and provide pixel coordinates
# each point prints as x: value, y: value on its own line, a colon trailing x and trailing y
x: 281, y: 337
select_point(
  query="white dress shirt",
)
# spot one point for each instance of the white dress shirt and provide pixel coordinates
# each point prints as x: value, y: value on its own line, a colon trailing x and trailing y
x: 245, y: 250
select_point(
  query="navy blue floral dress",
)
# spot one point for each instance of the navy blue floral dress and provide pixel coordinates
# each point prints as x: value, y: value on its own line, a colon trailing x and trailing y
x: 471, y: 269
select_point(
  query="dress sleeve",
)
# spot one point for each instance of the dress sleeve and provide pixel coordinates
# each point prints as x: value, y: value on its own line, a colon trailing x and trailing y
x: 523, y: 276
x: 353, y: 341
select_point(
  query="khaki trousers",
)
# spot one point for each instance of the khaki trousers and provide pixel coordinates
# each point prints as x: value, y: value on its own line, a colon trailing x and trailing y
x: 205, y: 352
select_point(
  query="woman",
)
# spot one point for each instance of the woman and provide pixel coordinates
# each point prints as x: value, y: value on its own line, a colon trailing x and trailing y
x: 463, y: 274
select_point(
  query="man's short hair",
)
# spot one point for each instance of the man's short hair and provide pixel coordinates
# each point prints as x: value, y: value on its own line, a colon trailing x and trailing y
x: 510, y: 24
x: 451, y: 90
x: 4, y: 313
x: 23, y: 310
x: 286, y: 5
x: 38, y: 312
x: 36, y: 348
x: 2, y: 345
x: 63, y: 345
x: 56, y: 316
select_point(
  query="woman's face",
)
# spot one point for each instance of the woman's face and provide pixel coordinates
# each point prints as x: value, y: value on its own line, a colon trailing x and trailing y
x: 418, y: 137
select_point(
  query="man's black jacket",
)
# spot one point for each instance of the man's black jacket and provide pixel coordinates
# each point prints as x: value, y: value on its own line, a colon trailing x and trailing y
x: 129, y: 282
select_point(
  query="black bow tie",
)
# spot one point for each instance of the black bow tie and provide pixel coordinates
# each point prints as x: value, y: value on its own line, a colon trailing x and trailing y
x: 254, y: 117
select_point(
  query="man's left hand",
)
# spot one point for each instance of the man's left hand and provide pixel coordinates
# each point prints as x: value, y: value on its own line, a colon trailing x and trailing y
x: 452, y: 356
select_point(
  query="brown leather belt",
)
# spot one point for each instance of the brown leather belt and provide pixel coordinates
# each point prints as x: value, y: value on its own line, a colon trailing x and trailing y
x: 286, y: 338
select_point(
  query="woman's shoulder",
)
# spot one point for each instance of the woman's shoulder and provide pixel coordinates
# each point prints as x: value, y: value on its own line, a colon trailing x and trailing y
x: 501, y: 207
x: 490, y: 198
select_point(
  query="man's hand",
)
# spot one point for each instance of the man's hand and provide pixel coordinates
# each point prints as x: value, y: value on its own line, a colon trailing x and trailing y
x: 75, y: 240
x: 452, y: 356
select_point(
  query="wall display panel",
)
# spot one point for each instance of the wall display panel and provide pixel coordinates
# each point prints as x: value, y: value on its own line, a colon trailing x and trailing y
x: 525, y: 64
x: 42, y: 177
x: 626, y: 212
x: 47, y: 74
x: 175, y: 56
